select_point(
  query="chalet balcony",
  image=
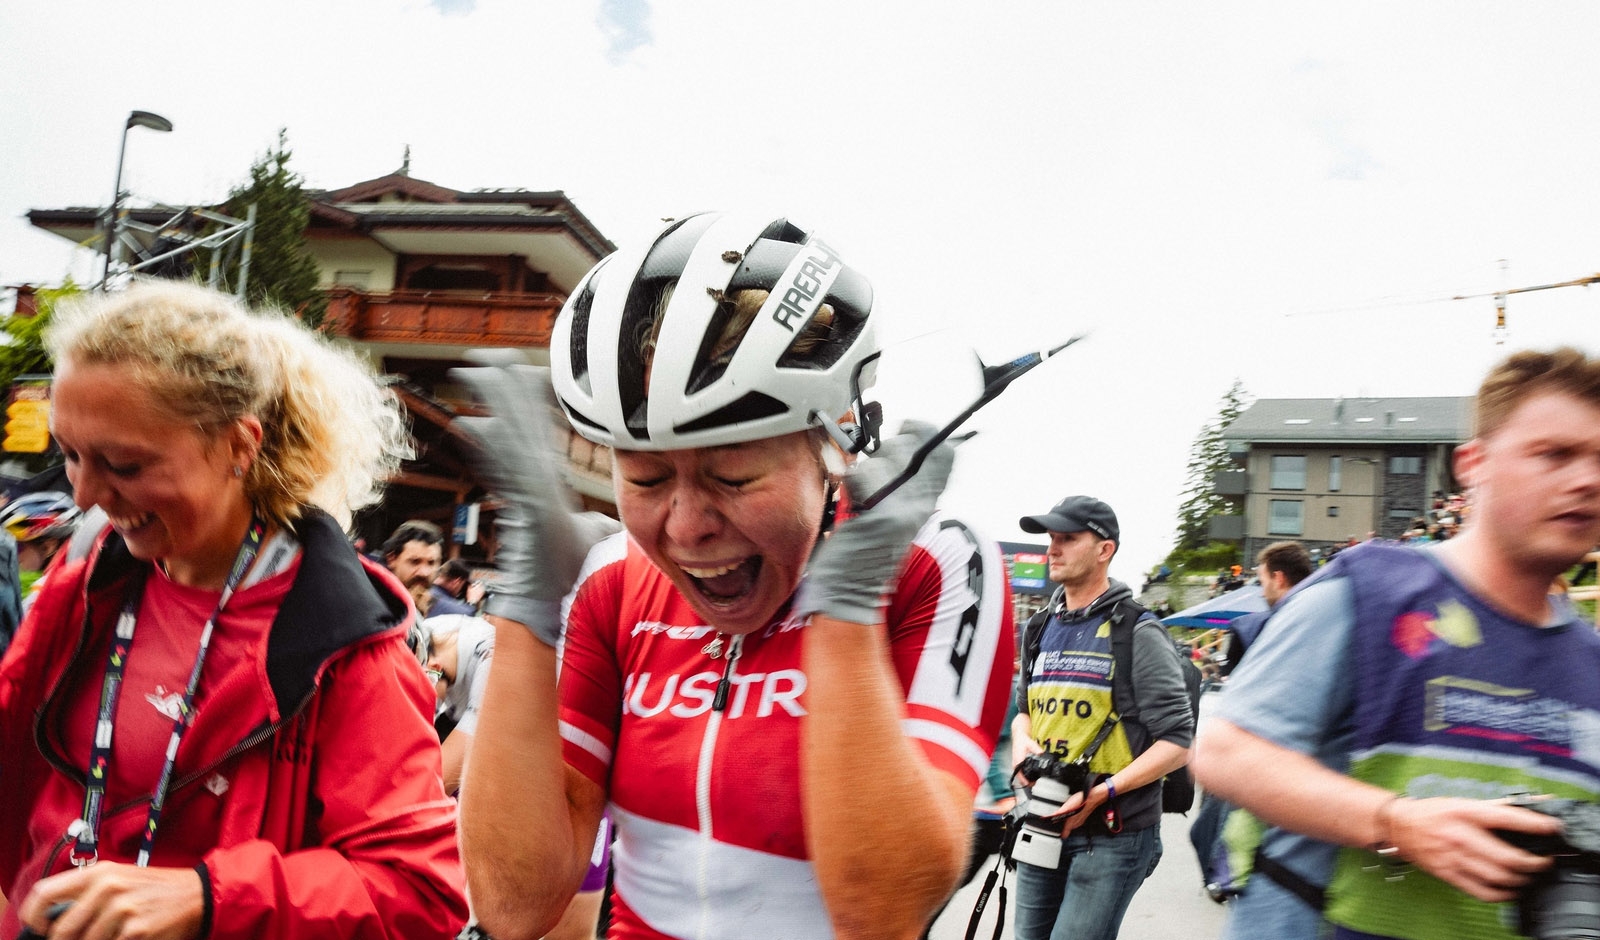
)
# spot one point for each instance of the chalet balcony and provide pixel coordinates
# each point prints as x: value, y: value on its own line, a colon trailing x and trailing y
x: 443, y: 317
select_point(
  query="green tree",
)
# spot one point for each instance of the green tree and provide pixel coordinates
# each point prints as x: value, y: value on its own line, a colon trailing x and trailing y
x: 1207, y: 457
x: 23, y: 351
x: 282, y: 272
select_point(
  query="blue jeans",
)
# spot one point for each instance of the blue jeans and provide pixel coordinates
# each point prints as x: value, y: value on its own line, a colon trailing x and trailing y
x: 1085, y: 898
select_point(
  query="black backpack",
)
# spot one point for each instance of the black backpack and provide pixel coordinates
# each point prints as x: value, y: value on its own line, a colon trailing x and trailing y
x: 1177, y: 788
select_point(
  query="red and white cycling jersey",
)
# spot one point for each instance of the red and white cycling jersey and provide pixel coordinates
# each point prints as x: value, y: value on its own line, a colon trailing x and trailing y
x: 707, y: 803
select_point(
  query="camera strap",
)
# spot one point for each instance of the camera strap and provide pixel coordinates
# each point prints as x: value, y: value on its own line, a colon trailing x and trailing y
x: 1002, y: 865
x: 1106, y: 727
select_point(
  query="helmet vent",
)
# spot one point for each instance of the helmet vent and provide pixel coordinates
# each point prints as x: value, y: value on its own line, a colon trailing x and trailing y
x: 824, y: 342
x: 651, y: 289
x: 581, y: 418
x: 718, y: 345
x: 752, y: 406
x: 581, y: 306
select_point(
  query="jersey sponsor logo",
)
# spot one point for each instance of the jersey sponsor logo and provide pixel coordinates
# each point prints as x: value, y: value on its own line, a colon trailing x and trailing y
x: 1417, y: 632
x: 167, y: 703
x: 674, y: 631
x: 790, y: 621
x: 1480, y: 709
x: 967, y: 626
x: 1070, y: 665
x: 799, y: 298
x: 646, y: 696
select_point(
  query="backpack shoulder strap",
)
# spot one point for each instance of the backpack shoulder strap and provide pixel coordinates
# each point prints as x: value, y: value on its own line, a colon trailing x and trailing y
x: 1124, y: 619
x: 1033, y: 630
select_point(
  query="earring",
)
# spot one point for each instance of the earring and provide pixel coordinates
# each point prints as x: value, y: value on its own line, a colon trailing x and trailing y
x: 238, y: 471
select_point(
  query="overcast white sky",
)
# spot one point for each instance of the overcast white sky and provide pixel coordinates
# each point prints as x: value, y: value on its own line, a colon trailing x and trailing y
x: 1276, y: 192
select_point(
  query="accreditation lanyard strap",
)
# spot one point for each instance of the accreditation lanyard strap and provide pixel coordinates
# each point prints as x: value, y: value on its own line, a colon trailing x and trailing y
x: 86, y: 830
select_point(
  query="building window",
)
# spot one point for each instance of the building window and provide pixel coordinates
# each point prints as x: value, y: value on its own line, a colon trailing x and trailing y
x: 1335, y: 474
x: 1405, y: 512
x: 1285, y: 517
x: 1405, y: 465
x: 1333, y: 512
x: 1288, y: 473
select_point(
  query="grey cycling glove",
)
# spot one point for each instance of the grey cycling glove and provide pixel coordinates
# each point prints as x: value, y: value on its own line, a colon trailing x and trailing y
x: 854, y: 569
x: 542, y: 537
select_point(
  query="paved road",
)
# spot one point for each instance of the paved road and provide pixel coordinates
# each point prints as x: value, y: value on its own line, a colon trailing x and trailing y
x: 1171, y: 904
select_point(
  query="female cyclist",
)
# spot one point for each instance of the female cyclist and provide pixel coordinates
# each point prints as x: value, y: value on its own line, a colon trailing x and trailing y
x: 785, y: 704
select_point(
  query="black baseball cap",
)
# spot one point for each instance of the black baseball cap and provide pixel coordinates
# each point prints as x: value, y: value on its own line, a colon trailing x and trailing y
x: 1076, y: 514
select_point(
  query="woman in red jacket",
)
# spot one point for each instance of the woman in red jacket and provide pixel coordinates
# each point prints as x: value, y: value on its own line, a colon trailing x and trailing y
x: 211, y: 723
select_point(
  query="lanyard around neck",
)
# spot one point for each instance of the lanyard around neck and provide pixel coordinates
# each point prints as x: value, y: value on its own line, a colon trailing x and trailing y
x: 86, y: 830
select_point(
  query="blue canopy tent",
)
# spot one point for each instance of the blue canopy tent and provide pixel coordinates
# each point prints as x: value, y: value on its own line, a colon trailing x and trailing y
x: 1221, y: 610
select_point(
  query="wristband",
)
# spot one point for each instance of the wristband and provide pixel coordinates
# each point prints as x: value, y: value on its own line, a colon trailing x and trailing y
x: 1385, y: 845
x: 1111, y: 790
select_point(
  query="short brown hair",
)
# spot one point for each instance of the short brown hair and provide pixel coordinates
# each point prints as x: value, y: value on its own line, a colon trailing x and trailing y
x: 1524, y: 374
x: 1289, y: 559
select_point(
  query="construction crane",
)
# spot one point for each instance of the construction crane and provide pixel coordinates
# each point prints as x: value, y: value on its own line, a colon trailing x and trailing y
x: 1501, y: 295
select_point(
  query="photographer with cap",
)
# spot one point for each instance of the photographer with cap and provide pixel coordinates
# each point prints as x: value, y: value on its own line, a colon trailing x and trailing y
x: 1111, y: 832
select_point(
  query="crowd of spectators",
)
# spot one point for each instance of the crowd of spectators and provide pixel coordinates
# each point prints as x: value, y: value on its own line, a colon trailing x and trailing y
x: 1441, y: 521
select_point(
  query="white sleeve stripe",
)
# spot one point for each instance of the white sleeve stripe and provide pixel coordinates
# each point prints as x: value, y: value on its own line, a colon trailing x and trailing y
x: 612, y: 548
x: 572, y: 735
x: 948, y: 738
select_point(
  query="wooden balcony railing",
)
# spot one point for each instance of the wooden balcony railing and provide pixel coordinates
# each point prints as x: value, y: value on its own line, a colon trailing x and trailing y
x: 459, y: 318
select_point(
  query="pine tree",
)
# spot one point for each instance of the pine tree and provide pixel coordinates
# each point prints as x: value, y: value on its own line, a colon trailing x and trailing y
x: 1207, y: 457
x: 283, y: 273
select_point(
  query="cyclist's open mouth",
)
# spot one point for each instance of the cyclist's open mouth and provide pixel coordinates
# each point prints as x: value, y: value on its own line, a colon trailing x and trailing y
x: 727, y: 583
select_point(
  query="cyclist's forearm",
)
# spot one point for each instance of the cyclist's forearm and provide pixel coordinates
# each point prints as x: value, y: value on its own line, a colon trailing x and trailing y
x: 887, y: 832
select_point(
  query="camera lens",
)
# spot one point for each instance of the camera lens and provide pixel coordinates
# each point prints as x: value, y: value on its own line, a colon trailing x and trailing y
x: 1563, y: 906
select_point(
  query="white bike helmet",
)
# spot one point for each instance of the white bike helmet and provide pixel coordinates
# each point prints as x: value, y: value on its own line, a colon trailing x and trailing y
x: 687, y: 397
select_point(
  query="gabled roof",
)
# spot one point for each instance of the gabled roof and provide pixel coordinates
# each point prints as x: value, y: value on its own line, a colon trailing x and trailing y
x: 400, y: 200
x: 1368, y: 420
x: 411, y: 216
x: 395, y: 184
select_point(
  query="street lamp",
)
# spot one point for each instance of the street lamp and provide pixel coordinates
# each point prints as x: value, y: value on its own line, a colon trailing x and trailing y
x: 135, y: 119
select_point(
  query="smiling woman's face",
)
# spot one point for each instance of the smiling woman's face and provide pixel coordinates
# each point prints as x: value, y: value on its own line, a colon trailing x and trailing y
x: 169, y: 490
x: 731, y: 526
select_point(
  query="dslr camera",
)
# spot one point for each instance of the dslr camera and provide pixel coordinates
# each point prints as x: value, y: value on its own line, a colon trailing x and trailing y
x: 1563, y: 901
x: 1054, y: 780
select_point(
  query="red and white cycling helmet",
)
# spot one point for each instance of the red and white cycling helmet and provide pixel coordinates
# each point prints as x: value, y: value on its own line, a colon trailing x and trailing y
x: 688, y: 274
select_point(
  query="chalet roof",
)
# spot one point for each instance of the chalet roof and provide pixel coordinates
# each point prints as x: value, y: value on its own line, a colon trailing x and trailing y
x: 400, y: 199
x: 1339, y: 420
x: 400, y: 202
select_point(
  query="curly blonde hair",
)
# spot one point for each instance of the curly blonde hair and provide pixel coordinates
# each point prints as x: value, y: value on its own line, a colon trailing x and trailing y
x: 331, y: 435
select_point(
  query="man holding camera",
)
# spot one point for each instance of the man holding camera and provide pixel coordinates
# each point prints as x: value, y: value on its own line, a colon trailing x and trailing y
x: 1129, y: 730
x: 1394, y: 697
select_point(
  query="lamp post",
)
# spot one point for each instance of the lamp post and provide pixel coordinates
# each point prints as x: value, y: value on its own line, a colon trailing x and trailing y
x: 135, y: 119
